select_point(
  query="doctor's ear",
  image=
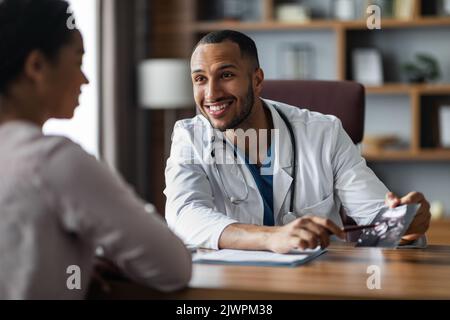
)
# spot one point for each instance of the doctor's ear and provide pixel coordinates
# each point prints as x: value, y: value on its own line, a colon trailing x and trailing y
x: 258, y: 78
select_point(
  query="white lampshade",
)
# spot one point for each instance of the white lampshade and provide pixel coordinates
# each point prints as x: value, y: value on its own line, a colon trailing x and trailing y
x: 165, y: 84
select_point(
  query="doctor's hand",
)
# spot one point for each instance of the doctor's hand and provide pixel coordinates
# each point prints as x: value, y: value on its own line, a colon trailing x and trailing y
x: 422, y: 219
x: 304, y: 233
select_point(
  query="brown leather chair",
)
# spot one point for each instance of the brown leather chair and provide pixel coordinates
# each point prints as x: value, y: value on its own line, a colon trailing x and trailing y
x: 343, y: 99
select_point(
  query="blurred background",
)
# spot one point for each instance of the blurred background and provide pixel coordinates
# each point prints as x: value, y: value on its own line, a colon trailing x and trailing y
x: 397, y: 48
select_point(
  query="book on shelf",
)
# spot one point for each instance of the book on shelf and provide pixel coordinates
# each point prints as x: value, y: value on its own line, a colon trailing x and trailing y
x: 444, y: 126
x: 404, y: 9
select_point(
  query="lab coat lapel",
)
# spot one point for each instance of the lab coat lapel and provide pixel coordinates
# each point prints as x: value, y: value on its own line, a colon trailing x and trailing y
x: 282, y: 178
x: 232, y: 165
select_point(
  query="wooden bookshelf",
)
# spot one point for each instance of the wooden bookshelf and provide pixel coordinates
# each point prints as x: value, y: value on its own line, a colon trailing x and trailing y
x: 271, y: 25
x: 408, y: 155
x: 415, y: 93
x: 403, y: 88
x: 176, y: 25
x: 397, y: 23
x: 263, y: 26
x: 343, y: 32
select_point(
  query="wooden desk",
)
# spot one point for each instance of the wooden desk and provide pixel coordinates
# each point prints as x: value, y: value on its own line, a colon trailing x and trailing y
x: 341, y: 273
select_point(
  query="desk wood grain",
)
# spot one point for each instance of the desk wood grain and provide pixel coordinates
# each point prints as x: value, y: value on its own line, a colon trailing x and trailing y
x: 341, y: 273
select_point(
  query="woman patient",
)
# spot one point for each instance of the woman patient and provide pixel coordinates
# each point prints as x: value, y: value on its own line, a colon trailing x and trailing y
x: 57, y: 203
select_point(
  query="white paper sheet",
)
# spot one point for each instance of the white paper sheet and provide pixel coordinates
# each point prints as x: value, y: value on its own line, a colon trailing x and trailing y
x: 259, y: 258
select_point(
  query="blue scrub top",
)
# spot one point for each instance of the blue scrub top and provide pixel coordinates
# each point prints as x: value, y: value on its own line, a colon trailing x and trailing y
x: 264, y: 182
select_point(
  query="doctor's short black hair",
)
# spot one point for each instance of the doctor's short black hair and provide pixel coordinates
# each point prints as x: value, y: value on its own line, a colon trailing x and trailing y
x: 245, y: 43
x: 28, y: 25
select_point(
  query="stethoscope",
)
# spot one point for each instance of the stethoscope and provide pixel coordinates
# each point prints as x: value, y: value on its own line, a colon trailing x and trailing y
x: 236, y: 200
x: 233, y: 200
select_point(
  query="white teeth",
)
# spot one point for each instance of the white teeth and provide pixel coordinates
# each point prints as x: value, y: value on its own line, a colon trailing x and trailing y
x: 217, y: 108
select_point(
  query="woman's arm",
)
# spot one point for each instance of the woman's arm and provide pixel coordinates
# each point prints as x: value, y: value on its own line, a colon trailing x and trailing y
x: 100, y: 208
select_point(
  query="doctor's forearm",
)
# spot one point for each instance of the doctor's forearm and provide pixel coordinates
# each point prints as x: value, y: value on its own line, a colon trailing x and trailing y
x: 246, y: 237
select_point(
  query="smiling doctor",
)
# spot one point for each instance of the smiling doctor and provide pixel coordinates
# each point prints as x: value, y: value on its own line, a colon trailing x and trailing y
x: 287, y: 196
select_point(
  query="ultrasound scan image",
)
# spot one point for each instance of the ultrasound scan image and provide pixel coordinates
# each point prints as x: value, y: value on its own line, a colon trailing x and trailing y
x: 391, y: 225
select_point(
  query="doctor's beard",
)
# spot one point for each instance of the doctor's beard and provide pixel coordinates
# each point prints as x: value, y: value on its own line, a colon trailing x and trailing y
x: 247, y: 108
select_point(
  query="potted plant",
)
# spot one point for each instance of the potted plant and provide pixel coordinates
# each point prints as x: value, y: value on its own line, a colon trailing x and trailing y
x: 425, y: 68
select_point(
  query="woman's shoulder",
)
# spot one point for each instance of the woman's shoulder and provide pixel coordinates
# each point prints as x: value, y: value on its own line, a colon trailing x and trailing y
x: 21, y: 140
x: 26, y: 144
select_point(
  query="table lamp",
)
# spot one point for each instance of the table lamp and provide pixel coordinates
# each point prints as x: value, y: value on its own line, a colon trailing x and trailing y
x: 165, y: 84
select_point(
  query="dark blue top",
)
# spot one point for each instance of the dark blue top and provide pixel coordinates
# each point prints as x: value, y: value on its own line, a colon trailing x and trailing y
x: 264, y: 182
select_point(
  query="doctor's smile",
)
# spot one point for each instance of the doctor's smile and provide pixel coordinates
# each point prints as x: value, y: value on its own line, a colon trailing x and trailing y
x: 218, y: 109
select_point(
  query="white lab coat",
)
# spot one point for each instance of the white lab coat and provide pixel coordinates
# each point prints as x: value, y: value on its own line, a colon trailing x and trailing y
x: 331, y: 173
